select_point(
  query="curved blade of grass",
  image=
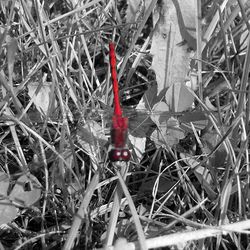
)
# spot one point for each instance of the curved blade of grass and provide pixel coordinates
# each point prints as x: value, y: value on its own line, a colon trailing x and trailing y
x: 116, y: 206
x: 141, y: 236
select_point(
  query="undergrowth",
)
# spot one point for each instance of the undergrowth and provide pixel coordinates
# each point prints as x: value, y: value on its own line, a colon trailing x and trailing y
x: 58, y: 188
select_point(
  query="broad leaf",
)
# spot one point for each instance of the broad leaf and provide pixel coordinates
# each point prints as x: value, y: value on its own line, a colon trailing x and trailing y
x: 8, y: 211
x: 26, y: 191
x: 160, y: 113
x: 198, y: 119
x: 4, y: 184
x: 140, y: 124
x: 168, y: 134
x: 193, y: 116
x: 150, y: 97
x: 179, y: 98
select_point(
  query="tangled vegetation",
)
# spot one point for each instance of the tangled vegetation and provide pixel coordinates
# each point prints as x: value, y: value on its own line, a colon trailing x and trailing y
x: 183, y: 76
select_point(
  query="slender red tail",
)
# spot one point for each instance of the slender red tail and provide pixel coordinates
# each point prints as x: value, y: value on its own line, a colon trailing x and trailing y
x: 119, y: 129
x: 112, y: 60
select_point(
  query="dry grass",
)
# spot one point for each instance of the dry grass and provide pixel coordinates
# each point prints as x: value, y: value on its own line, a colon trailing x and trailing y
x: 200, y: 185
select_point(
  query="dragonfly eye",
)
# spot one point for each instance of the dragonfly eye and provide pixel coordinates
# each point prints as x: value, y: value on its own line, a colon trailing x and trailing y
x: 125, y: 154
x: 119, y: 155
x: 114, y: 154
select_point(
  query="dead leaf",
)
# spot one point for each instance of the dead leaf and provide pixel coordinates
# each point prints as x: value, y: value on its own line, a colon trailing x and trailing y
x: 174, y: 24
x: 40, y: 93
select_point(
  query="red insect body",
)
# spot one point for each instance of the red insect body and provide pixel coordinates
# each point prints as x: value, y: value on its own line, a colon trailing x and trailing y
x: 112, y: 60
x: 119, y: 129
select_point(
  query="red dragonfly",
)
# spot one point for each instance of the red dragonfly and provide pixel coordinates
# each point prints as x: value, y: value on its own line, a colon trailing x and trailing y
x: 119, y: 128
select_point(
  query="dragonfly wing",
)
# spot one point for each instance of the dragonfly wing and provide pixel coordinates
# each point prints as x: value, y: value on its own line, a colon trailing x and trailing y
x: 140, y: 125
